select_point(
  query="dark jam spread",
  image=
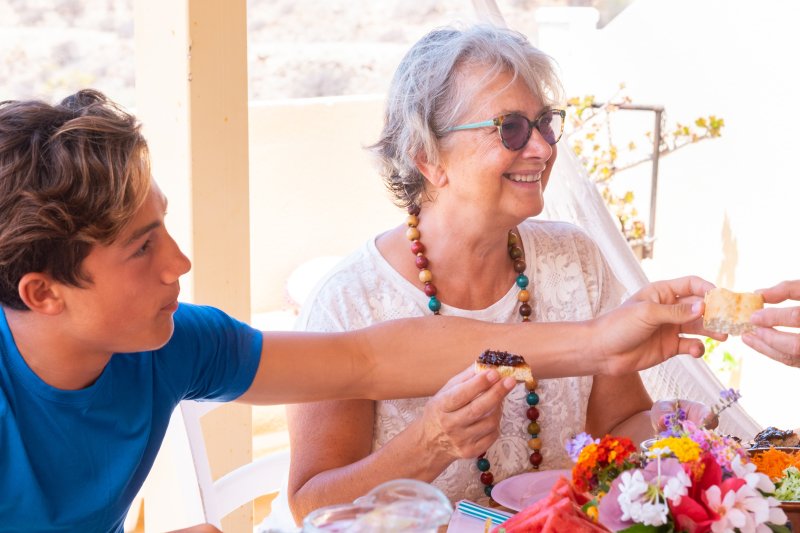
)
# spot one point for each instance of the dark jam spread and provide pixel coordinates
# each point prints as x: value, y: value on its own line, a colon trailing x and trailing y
x: 497, y: 358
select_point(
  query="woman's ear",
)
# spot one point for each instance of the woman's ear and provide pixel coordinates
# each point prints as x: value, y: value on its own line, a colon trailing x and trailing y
x: 434, y: 173
x: 40, y: 293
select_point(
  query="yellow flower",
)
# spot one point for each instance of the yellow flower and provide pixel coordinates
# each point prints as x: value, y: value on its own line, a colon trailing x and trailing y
x: 684, y: 448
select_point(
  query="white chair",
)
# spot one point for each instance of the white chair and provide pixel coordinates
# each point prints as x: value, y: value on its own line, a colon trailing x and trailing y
x: 238, y: 487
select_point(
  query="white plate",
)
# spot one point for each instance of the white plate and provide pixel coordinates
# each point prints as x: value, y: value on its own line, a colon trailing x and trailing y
x: 520, y: 491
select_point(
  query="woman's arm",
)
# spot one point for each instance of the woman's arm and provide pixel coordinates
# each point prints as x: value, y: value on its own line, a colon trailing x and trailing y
x: 331, y: 441
x: 619, y: 406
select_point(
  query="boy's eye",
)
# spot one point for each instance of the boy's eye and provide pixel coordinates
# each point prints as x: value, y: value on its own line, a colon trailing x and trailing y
x: 142, y: 249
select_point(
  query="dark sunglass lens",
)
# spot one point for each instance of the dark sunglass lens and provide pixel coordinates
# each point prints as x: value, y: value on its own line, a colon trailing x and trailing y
x: 515, y: 131
x: 550, y: 126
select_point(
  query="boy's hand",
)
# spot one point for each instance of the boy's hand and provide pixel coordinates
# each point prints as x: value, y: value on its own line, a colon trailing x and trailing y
x: 647, y: 329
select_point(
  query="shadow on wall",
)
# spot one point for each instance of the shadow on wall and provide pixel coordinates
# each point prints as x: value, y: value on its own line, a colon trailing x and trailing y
x: 726, y: 277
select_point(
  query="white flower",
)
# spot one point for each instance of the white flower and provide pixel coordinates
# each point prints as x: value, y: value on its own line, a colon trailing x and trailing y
x: 745, y: 510
x: 639, y: 502
x: 676, y: 487
x: 653, y: 513
x: 756, y: 480
x: 654, y: 453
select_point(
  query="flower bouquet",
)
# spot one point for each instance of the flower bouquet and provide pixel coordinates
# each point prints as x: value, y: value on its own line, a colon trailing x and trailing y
x: 689, y: 479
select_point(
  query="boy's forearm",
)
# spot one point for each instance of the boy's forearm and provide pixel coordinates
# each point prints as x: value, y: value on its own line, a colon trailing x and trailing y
x: 427, y: 352
x: 407, y: 358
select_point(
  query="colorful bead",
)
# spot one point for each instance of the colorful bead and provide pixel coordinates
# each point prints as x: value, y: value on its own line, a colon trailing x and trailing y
x: 536, y: 459
x: 516, y: 255
x: 430, y: 289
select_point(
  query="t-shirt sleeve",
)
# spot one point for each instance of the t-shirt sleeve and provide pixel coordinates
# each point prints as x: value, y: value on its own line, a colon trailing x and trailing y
x: 211, y: 356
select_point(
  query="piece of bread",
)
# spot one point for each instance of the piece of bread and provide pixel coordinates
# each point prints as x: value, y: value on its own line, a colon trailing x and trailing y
x: 776, y: 437
x: 729, y: 312
x: 507, y: 364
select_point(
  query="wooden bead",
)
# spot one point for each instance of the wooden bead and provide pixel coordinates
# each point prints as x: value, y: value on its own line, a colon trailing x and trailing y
x: 532, y: 414
x: 430, y: 289
x: 412, y: 221
x: 421, y: 261
x: 412, y: 234
x: 523, y: 295
x: 425, y: 275
x: 534, y: 428
x: 515, y: 253
x: 512, y: 239
x: 525, y: 310
x: 520, y: 266
x: 536, y: 459
x: 531, y: 385
x: 417, y: 248
x: 535, y: 443
x: 487, y: 478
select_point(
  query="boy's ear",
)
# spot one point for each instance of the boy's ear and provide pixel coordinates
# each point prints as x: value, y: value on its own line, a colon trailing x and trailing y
x: 40, y: 293
x: 435, y: 174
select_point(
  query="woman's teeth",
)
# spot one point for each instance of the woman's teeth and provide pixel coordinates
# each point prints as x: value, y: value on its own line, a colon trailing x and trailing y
x: 524, y: 178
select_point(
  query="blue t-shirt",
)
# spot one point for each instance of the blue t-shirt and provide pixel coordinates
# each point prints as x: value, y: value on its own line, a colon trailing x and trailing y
x: 74, y: 460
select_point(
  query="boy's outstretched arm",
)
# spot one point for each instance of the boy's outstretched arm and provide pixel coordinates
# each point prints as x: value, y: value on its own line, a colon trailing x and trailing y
x: 416, y: 356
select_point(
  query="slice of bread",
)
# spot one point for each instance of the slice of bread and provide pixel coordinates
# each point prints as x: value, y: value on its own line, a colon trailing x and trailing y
x: 729, y: 312
x: 519, y: 372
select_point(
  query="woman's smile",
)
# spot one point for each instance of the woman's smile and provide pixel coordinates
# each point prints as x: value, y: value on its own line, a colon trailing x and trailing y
x: 524, y: 178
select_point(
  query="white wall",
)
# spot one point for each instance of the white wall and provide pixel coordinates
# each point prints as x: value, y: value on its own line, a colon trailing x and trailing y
x: 727, y: 208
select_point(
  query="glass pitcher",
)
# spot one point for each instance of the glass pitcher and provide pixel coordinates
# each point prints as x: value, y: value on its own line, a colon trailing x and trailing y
x: 405, y: 505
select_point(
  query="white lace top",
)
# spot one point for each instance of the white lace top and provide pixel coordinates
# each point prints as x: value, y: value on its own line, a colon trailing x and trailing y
x: 569, y: 280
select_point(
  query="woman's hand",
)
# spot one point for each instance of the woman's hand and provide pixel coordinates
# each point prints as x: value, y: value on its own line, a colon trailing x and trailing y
x: 782, y: 346
x: 697, y: 412
x: 462, y: 419
x: 647, y: 328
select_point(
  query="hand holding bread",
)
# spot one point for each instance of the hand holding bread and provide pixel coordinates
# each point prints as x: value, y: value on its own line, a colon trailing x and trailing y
x: 783, y: 346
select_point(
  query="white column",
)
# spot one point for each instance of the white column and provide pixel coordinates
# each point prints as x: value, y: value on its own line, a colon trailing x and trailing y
x: 191, y: 92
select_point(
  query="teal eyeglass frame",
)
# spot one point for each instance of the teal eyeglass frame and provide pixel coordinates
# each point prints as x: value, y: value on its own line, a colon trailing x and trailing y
x: 498, y: 122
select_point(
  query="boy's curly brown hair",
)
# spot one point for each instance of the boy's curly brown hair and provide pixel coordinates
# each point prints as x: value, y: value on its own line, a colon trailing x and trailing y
x: 71, y: 176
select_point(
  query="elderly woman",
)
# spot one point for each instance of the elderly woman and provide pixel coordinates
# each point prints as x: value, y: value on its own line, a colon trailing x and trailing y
x: 470, y: 138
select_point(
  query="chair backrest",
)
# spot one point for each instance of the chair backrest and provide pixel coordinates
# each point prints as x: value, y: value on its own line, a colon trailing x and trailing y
x: 238, y: 487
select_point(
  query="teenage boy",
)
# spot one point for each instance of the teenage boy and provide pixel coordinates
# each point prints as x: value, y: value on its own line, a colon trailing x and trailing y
x: 96, y: 351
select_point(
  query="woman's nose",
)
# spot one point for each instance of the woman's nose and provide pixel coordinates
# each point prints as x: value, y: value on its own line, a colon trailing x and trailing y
x: 537, y: 146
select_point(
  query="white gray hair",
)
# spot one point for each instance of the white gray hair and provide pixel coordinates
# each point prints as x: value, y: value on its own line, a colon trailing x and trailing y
x: 426, y: 98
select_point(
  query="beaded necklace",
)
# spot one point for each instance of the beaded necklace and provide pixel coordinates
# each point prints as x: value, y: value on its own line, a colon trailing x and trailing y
x: 523, y: 297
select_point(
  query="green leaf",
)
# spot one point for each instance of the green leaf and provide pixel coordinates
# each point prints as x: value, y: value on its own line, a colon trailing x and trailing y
x: 779, y: 528
x: 641, y: 528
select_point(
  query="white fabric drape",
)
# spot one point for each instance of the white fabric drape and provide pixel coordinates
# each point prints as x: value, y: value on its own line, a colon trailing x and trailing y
x: 572, y: 197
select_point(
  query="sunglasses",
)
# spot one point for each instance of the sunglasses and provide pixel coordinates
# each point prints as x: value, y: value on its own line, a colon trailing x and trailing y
x: 515, y: 130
